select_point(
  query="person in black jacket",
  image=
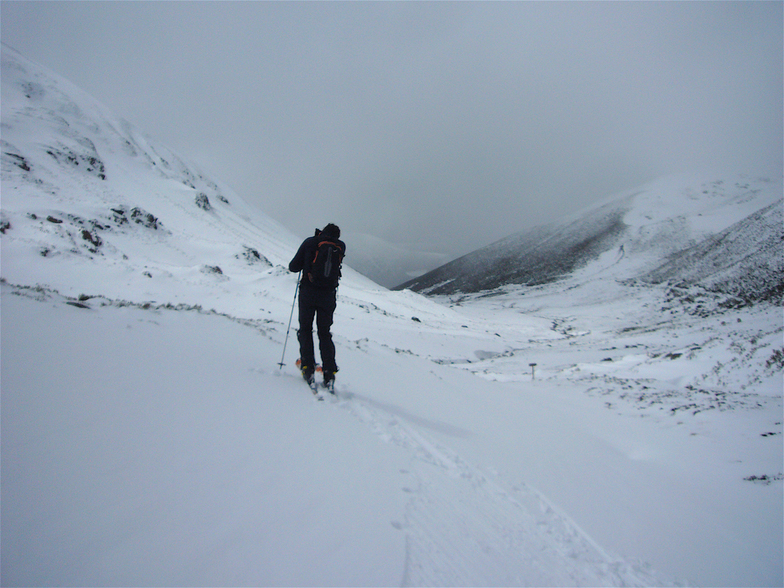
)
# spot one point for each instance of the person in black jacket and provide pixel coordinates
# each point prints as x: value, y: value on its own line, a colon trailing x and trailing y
x: 318, y: 298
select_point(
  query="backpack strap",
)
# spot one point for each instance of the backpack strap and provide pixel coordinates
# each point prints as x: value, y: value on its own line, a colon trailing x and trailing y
x: 331, y: 243
x: 325, y: 241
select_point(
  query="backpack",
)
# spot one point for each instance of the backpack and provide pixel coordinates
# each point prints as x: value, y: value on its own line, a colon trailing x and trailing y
x: 324, y: 270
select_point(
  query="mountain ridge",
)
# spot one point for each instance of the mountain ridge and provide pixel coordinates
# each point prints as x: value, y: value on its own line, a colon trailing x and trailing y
x: 646, y: 228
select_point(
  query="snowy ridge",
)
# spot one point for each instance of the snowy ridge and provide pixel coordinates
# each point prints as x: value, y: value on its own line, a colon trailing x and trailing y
x: 637, y: 231
x: 145, y: 418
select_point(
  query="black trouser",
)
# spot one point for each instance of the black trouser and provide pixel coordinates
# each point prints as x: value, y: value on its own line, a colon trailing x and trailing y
x: 314, y: 302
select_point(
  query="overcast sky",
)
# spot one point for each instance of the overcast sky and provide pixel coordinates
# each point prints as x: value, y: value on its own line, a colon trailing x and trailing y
x: 448, y: 123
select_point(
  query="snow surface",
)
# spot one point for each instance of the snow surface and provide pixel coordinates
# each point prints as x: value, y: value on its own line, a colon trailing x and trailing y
x: 150, y: 438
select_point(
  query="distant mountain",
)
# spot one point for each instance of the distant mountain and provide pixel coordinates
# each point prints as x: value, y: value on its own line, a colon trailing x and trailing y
x: 534, y: 257
x: 85, y: 192
x: 715, y: 233
x: 389, y: 264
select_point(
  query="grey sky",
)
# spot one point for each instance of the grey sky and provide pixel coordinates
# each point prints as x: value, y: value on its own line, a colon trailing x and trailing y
x: 440, y: 122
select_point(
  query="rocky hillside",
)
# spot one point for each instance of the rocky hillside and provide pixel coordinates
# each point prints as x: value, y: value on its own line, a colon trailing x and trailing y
x: 80, y: 183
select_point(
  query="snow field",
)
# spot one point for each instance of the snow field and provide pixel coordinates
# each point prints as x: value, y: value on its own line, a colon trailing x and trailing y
x: 158, y: 440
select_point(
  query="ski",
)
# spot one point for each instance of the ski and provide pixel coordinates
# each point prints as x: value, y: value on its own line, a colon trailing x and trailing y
x: 315, y: 386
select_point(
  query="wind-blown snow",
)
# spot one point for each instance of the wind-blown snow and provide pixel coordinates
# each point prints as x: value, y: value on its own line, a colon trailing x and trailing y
x: 149, y: 436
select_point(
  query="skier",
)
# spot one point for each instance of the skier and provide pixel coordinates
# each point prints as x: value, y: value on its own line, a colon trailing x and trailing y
x: 319, y: 259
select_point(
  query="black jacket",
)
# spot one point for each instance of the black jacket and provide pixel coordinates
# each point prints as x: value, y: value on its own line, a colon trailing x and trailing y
x: 307, y: 251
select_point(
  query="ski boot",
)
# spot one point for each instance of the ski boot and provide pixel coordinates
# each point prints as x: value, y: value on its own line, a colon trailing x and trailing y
x: 329, y: 381
x: 309, y: 375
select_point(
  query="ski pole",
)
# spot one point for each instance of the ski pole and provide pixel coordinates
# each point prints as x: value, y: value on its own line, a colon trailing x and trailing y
x: 293, y: 303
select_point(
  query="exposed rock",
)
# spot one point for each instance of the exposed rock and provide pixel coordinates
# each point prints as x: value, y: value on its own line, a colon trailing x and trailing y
x: 203, y: 202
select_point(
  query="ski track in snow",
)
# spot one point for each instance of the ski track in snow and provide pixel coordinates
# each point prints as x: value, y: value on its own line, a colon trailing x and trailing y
x: 463, y: 529
x: 477, y: 533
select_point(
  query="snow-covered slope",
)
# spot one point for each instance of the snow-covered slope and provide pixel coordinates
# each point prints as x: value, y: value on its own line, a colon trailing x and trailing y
x: 85, y: 190
x: 745, y: 260
x: 631, y: 234
x: 149, y: 436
